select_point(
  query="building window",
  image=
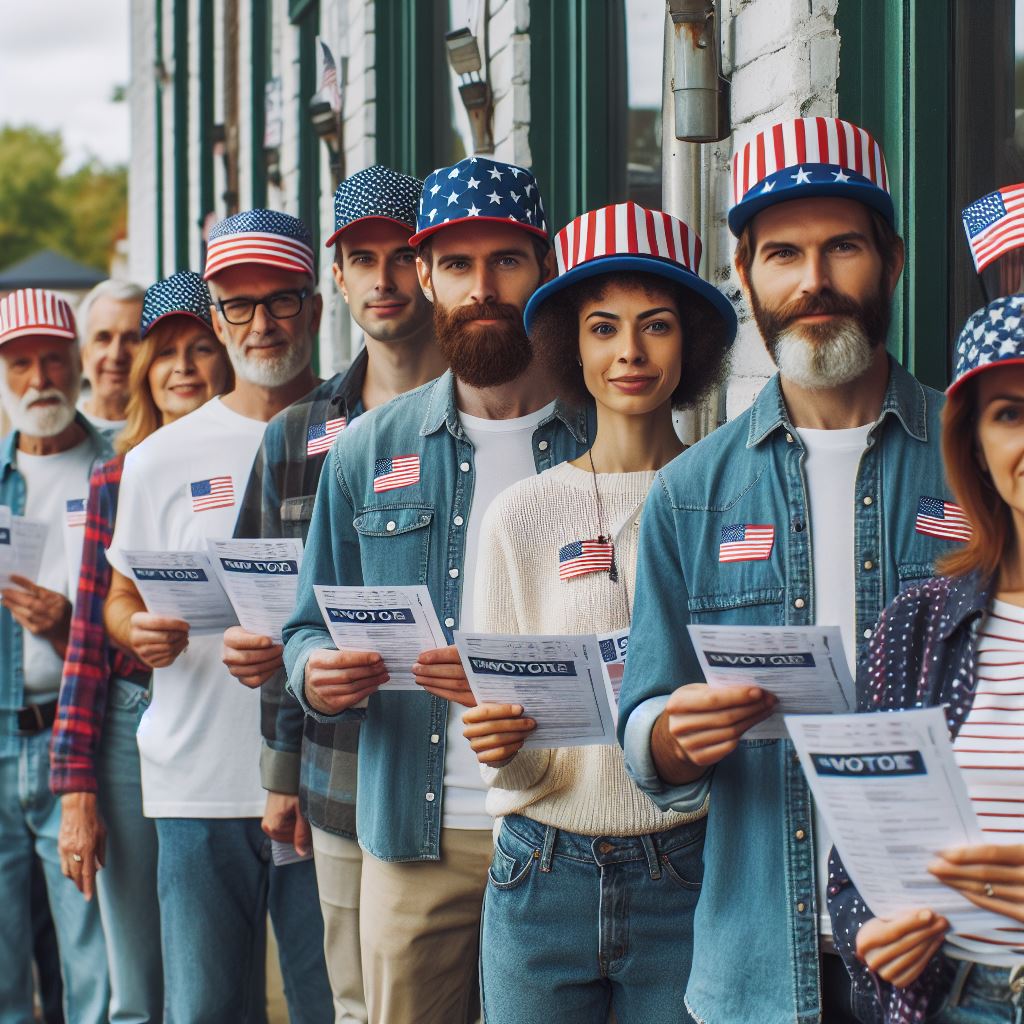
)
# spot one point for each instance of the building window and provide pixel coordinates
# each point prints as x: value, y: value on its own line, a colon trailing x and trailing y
x: 645, y: 28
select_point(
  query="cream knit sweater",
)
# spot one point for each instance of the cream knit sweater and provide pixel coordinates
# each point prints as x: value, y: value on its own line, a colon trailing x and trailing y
x: 580, y: 789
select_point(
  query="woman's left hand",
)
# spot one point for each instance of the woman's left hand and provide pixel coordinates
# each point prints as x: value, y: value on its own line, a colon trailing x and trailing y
x: 990, y: 876
x: 440, y: 672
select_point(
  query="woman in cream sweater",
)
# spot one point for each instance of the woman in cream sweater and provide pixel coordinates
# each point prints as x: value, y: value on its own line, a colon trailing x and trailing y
x: 592, y: 888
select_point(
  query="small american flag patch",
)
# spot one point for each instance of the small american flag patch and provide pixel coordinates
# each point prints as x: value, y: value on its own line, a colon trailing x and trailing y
x: 217, y: 492
x: 396, y: 471
x: 320, y: 436
x: 74, y: 514
x: 746, y: 542
x: 582, y: 556
x: 942, y: 519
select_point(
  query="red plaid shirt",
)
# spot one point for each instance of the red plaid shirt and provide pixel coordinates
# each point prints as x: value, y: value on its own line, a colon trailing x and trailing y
x: 91, y: 662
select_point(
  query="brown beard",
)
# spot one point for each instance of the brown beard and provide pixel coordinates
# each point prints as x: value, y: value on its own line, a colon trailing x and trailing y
x: 483, y: 356
x: 873, y: 315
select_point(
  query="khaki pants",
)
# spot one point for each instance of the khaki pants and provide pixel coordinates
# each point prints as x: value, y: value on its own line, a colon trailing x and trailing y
x: 420, y: 931
x: 339, y: 864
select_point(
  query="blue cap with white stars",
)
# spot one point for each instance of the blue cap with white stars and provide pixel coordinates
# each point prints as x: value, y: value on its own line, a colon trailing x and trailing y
x: 992, y: 336
x: 376, y: 193
x: 479, y: 188
x: 181, y: 294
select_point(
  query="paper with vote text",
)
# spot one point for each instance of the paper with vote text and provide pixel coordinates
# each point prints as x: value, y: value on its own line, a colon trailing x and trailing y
x: 804, y: 666
x: 261, y: 580
x: 182, y: 585
x: 892, y: 796
x: 614, y: 646
x: 399, y: 623
x: 21, y: 546
x: 560, y: 682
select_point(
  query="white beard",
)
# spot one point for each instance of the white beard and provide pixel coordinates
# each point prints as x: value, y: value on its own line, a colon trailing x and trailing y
x: 272, y: 373
x: 815, y: 365
x: 40, y: 421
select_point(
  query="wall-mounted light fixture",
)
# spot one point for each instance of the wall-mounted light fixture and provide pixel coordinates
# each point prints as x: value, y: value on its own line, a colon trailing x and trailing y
x: 464, y: 57
x: 701, y: 91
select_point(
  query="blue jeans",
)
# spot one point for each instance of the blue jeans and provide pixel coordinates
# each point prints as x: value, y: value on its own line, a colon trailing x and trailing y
x: 127, y: 883
x: 576, y: 925
x: 29, y: 821
x: 216, y: 883
x: 982, y: 995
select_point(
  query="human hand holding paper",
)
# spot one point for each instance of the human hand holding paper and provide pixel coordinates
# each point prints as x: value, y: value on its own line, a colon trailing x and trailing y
x: 338, y: 680
x: 496, y: 732
x: 157, y: 640
x: 250, y: 658
x: 440, y: 672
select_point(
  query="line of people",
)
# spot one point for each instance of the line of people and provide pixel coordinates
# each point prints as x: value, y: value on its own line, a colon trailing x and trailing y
x: 513, y: 402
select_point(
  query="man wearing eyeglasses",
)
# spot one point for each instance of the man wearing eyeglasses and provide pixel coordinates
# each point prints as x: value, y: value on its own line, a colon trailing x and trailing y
x: 199, y: 741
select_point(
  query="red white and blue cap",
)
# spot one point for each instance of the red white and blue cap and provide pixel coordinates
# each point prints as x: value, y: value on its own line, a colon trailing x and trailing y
x: 378, y: 193
x: 181, y: 294
x: 35, y: 311
x: 804, y: 158
x: 259, y: 236
x: 479, y: 188
x: 992, y: 336
x: 624, y: 238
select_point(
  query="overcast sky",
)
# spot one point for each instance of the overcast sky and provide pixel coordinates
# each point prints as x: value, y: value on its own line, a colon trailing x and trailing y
x: 59, y: 63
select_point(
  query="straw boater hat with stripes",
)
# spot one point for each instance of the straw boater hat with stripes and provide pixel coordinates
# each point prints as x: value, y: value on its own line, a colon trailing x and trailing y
x: 805, y: 158
x: 259, y: 236
x: 629, y: 238
x: 35, y: 312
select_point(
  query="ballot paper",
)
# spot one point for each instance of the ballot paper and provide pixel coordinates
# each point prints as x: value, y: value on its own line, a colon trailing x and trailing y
x: 613, y: 655
x: 261, y: 579
x: 283, y: 854
x: 399, y: 623
x: 892, y: 797
x: 21, y: 547
x: 558, y: 680
x: 182, y: 585
x: 804, y: 666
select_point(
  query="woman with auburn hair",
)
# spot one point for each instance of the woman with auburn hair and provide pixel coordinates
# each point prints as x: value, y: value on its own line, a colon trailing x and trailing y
x: 958, y: 641
x: 94, y: 760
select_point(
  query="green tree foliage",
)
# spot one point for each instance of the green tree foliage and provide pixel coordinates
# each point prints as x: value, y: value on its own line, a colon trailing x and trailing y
x: 80, y: 213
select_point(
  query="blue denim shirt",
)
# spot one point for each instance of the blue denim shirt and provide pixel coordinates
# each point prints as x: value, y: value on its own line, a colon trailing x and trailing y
x: 407, y: 536
x: 756, y: 924
x: 12, y: 494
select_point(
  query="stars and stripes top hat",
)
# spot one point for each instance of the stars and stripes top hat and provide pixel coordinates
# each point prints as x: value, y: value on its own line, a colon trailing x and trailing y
x: 995, y: 224
x: 992, y: 336
x: 181, y: 294
x: 804, y: 158
x: 628, y: 237
x: 376, y: 193
x: 259, y: 236
x: 479, y: 188
x: 35, y: 311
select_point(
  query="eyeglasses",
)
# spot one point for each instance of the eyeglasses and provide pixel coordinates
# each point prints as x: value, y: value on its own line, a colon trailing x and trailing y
x: 280, y: 306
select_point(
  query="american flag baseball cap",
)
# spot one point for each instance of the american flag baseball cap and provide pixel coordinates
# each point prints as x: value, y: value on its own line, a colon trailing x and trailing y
x: 804, y: 158
x: 35, y: 311
x: 479, y: 188
x: 627, y: 237
x: 181, y: 294
x: 259, y: 236
x: 992, y: 336
x: 376, y: 193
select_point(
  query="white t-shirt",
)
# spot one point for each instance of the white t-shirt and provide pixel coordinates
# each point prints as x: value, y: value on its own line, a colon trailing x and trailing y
x: 502, y: 455
x: 199, y: 740
x: 51, y: 483
x: 104, y: 426
x: 830, y: 467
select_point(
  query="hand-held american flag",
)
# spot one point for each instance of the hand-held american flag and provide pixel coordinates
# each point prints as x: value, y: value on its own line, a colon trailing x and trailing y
x: 942, y: 519
x: 74, y: 514
x: 320, y: 436
x: 746, y: 542
x: 580, y: 557
x: 217, y: 492
x: 395, y: 471
x: 995, y: 224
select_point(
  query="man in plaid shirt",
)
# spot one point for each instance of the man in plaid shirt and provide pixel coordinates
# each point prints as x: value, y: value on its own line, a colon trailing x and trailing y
x: 308, y: 768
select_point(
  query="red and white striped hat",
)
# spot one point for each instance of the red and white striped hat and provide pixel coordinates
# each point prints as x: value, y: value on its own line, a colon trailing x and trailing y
x: 628, y: 237
x: 804, y: 158
x: 259, y: 236
x: 35, y: 311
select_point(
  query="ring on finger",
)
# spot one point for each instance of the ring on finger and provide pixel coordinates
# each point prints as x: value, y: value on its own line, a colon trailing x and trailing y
x: 77, y: 858
x: 989, y: 891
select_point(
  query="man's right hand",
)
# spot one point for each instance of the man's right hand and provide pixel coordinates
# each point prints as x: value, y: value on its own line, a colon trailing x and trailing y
x: 898, y: 949
x: 338, y: 680
x: 702, y: 724
x: 156, y: 639
x: 250, y: 658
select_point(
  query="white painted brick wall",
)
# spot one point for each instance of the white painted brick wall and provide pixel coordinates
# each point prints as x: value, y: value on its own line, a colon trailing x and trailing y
x: 142, y: 167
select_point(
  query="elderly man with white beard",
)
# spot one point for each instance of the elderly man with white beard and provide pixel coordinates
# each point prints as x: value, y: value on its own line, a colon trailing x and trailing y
x: 44, y: 476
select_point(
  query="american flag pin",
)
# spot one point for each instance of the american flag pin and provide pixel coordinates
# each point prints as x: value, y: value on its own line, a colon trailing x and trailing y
x: 74, y: 512
x: 395, y: 471
x: 942, y: 519
x: 216, y: 492
x: 320, y: 436
x: 746, y: 542
x: 579, y: 557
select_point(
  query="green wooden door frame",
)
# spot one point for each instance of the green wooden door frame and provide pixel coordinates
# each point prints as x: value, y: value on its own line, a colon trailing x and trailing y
x: 158, y: 132
x: 207, y: 201
x: 259, y: 58
x: 182, y: 150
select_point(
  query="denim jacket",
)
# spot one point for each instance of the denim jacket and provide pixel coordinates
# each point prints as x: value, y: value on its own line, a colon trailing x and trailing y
x: 411, y: 535
x: 12, y: 494
x: 756, y: 924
